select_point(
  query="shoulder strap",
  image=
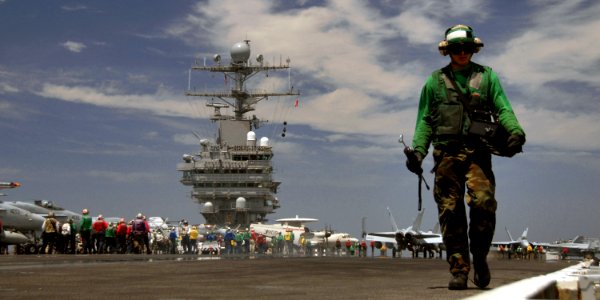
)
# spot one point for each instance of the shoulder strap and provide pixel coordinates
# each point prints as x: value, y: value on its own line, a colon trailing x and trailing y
x: 461, y: 96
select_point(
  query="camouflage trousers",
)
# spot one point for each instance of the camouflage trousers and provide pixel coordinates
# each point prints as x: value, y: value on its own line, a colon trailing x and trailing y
x: 459, y: 170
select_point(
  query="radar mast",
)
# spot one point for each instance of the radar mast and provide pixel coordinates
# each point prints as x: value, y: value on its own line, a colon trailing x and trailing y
x: 232, y: 179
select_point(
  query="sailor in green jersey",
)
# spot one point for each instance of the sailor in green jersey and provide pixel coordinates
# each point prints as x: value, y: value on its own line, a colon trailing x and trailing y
x: 463, y: 160
x: 85, y: 230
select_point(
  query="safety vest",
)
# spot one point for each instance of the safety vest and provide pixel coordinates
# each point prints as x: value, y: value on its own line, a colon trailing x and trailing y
x: 450, y: 117
x: 139, y: 226
x: 50, y: 225
x: 288, y: 236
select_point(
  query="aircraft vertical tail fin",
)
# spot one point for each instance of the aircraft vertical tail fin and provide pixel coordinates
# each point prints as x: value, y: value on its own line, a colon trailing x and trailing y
x: 509, y: 235
x: 524, y: 235
x: 578, y: 239
x: 417, y: 223
x: 392, y: 220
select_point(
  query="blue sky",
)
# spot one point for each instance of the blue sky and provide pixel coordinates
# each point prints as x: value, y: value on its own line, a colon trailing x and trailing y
x: 94, y: 113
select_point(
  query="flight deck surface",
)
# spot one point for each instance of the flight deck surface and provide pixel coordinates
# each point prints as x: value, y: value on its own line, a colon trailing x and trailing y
x: 194, y: 277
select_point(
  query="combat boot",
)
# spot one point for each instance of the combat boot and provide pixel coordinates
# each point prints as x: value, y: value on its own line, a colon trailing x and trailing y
x: 458, y: 282
x: 482, y: 275
x: 459, y: 268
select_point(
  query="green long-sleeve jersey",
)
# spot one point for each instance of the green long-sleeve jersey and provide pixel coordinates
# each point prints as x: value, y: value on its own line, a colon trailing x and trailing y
x: 86, y: 223
x: 435, y: 92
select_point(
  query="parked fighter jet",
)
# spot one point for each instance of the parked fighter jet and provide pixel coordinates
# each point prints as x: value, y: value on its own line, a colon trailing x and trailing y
x: 11, y: 218
x: 19, y: 227
x: 578, y: 246
x: 43, y: 207
x: 19, y: 219
x: 411, y: 238
x: 522, y: 241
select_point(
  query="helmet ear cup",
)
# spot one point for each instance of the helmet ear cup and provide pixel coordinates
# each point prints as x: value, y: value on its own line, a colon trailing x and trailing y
x: 442, y: 47
x: 478, y: 44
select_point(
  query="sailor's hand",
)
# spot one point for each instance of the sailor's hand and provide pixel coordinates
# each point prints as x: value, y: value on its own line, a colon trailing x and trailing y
x: 515, y: 144
x: 414, y: 160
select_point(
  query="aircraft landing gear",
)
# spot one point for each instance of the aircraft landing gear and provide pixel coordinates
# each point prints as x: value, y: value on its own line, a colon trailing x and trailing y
x: 30, y: 249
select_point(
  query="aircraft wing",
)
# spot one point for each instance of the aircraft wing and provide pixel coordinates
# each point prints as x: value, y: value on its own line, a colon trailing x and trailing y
x: 383, y: 237
x: 434, y: 240
x: 522, y: 243
x: 427, y: 235
x: 578, y: 247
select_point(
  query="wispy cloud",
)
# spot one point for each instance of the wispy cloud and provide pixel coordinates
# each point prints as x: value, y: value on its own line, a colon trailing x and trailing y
x: 560, y: 45
x: 340, y: 45
x: 356, y: 83
x: 161, y: 103
x: 7, y: 88
x: 75, y: 7
x: 74, y: 46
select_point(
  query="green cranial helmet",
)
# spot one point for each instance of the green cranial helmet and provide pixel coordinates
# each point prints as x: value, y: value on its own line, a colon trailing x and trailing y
x: 459, y: 34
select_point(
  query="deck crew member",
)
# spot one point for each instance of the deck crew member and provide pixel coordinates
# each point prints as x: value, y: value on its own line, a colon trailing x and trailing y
x: 449, y: 108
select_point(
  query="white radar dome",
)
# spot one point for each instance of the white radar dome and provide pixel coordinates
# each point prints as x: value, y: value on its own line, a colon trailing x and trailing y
x: 251, y: 136
x: 240, y: 203
x: 264, y: 141
x: 208, y: 206
x: 240, y: 52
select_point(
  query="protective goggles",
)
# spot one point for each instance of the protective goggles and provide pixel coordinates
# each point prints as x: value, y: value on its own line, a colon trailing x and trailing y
x: 468, y: 48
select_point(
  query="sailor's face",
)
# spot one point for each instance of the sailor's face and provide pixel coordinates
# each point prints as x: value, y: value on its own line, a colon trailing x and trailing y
x: 460, y: 61
x: 460, y: 54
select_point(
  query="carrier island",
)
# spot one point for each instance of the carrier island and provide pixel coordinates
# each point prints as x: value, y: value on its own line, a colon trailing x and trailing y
x: 232, y: 176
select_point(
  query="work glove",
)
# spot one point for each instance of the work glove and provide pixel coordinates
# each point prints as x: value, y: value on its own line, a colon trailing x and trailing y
x: 414, y: 160
x: 515, y: 144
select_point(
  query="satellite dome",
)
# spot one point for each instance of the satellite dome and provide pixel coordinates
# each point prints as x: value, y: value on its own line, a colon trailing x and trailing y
x: 208, y: 206
x: 240, y: 203
x: 251, y: 136
x: 264, y: 141
x: 240, y: 52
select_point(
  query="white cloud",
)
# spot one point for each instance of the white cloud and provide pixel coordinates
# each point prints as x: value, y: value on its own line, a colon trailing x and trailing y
x: 561, y: 45
x: 74, y: 46
x: 340, y: 47
x: 7, y: 88
x: 73, y: 7
x: 560, y: 129
x: 161, y: 103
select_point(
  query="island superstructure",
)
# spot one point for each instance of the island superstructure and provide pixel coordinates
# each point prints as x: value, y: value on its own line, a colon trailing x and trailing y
x: 232, y: 177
